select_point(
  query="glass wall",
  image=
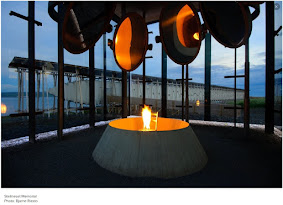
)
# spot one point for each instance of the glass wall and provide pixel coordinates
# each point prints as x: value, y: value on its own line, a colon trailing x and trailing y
x: 222, y: 89
x: 153, y: 71
x: 14, y: 85
x: 14, y: 81
x: 223, y: 62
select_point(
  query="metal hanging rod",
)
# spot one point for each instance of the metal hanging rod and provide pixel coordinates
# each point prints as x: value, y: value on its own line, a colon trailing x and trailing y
x: 12, y: 13
x: 278, y: 71
x: 184, y: 79
x: 233, y: 76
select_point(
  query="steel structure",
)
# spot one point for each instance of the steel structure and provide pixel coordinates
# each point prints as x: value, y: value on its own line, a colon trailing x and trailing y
x: 151, y: 12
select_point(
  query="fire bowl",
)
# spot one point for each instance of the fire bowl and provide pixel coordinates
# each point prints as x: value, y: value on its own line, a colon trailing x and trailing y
x: 172, y: 151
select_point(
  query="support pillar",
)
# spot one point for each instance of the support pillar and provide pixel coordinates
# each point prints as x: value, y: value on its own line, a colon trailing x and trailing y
x: 143, y: 76
x: 124, y: 94
x: 247, y: 92
x: 104, y: 78
x: 60, y: 73
x: 22, y: 89
x: 207, y: 78
x: 187, y: 93
x: 269, y: 81
x: 91, y: 88
x: 31, y: 60
x: 129, y: 97
x: 143, y: 82
x: 235, y: 89
x: 164, y: 83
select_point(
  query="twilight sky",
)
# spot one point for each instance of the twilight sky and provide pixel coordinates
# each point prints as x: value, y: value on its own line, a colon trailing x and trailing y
x: 14, y: 42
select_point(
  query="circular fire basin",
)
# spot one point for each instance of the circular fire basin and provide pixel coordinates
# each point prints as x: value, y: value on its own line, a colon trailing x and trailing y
x: 172, y: 151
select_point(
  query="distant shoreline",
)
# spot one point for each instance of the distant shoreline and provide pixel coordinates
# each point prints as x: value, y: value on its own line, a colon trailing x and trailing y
x: 15, y: 94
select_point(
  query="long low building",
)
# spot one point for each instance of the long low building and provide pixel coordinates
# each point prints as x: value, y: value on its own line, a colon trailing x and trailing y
x: 77, y: 90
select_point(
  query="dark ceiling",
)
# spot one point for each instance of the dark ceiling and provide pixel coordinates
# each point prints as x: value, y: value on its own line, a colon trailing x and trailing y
x: 151, y: 9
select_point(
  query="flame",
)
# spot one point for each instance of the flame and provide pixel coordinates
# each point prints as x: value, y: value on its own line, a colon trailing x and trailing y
x: 3, y: 108
x: 196, y: 36
x: 146, y: 117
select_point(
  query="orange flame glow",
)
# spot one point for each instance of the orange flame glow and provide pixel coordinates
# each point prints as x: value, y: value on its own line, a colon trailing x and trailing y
x: 185, y: 14
x: 123, y: 43
x: 146, y: 117
x: 3, y: 108
x: 196, y: 36
x: 197, y: 103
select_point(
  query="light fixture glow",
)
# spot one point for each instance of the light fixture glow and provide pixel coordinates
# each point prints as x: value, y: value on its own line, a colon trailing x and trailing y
x: 197, y: 103
x: 3, y: 108
x: 196, y: 36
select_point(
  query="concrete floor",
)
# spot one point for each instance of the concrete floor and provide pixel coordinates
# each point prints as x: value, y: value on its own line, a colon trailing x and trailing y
x: 233, y: 161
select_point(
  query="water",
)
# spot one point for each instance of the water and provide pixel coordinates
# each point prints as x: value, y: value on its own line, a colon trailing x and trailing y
x: 12, y: 104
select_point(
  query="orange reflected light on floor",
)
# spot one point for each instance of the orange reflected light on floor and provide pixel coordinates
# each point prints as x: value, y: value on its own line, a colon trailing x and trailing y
x: 185, y: 14
x: 123, y: 41
x: 3, y: 108
x: 196, y: 36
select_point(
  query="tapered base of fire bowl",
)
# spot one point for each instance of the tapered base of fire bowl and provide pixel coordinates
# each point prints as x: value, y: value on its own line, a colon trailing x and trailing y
x: 172, y: 151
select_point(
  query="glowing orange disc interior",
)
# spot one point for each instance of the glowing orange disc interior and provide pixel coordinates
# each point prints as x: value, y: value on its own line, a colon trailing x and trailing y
x: 123, y: 41
x: 184, y: 16
x: 136, y: 124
